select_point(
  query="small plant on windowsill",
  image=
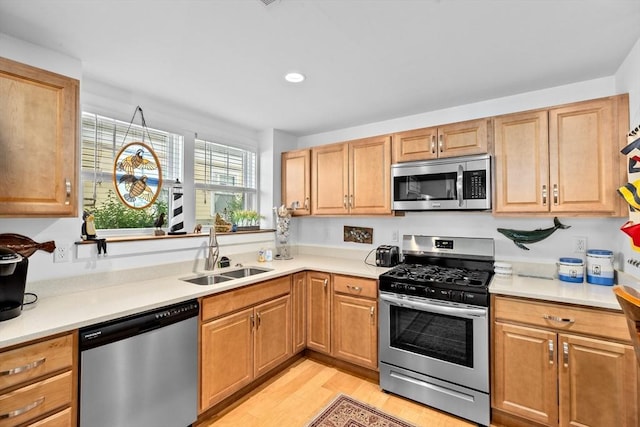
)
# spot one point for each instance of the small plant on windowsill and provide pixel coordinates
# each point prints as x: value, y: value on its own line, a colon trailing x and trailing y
x: 245, y: 220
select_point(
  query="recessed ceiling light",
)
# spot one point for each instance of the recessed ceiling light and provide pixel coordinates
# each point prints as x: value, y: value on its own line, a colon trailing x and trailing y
x: 294, y: 77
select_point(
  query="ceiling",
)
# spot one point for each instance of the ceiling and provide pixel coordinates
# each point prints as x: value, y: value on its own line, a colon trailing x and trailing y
x: 365, y: 61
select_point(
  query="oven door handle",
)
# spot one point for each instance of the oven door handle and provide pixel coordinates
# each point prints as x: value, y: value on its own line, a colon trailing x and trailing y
x: 434, y: 307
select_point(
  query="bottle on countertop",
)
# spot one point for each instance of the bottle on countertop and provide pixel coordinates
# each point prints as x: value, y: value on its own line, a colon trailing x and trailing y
x: 268, y: 255
x: 261, y: 255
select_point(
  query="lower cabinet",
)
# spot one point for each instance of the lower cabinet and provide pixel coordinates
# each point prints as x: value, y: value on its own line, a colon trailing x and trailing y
x: 355, y: 321
x: 299, y: 311
x: 38, y: 383
x: 244, y: 334
x: 558, y: 365
x: 319, y: 311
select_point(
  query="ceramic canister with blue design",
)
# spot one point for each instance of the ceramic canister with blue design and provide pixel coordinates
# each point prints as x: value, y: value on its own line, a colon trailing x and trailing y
x: 571, y: 270
x: 600, y: 267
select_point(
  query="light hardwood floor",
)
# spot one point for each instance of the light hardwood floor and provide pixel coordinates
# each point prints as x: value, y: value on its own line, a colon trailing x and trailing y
x: 296, y: 395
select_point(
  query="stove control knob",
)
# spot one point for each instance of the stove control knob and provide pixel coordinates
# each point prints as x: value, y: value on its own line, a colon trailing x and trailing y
x: 457, y: 296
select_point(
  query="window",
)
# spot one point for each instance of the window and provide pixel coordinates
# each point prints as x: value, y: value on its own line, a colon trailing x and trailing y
x: 102, y: 138
x: 225, y: 181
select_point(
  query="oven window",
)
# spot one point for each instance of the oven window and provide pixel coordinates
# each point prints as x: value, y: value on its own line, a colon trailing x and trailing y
x: 440, y: 336
x: 437, y: 186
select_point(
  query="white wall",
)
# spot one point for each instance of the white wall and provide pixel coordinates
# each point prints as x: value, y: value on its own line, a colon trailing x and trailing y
x: 628, y: 80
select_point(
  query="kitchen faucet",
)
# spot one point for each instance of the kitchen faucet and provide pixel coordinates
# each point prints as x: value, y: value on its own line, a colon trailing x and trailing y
x: 213, y: 248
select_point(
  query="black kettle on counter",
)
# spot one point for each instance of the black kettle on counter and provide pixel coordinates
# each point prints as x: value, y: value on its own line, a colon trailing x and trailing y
x: 13, y: 280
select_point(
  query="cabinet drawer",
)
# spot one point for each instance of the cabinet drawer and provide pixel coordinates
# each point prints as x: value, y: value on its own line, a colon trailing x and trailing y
x: 59, y: 419
x: 28, y: 402
x: 231, y: 301
x: 575, y: 319
x: 355, y: 286
x: 35, y: 360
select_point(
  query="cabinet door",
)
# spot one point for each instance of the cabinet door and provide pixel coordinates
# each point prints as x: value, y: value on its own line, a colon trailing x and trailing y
x: 370, y: 176
x: 319, y: 311
x: 521, y: 163
x: 584, y: 157
x: 355, y: 330
x: 525, y: 373
x: 598, y: 383
x: 272, y: 334
x: 226, y: 356
x: 296, y: 180
x: 330, y: 179
x: 298, y: 311
x: 463, y: 139
x: 419, y: 144
x: 39, y: 138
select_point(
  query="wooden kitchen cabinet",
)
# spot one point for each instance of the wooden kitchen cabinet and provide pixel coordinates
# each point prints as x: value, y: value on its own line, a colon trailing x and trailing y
x: 296, y: 181
x: 319, y: 311
x: 299, y: 311
x: 39, y: 140
x: 38, y: 383
x: 561, y: 365
x: 563, y: 160
x: 455, y: 139
x: 355, y: 321
x: 244, y: 334
x: 352, y: 178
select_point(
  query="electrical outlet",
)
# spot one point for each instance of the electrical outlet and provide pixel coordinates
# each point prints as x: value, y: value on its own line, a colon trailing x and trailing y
x: 580, y: 245
x: 394, y: 236
x: 62, y: 253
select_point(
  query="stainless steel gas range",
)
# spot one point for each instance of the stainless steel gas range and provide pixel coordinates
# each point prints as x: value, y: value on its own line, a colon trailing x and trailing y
x: 434, y: 324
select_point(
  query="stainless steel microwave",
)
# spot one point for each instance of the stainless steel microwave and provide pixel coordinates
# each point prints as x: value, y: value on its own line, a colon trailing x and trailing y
x: 456, y: 183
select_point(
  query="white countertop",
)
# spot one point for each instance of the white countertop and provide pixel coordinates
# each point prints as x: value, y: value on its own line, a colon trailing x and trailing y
x: 552, y: 289
x: 81, y: 304
x: 63, y: 312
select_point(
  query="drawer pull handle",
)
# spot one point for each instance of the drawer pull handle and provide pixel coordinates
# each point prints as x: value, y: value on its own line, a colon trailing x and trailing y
x: 22, y: 410
x: 555, y: 194
x: 326, y: 281
x: 67, y: 186
x: 259, y: 320
x: 354, y: 288
x: 433, y: 144
x: 544, y: 195
x: 558, y: 319
x: 565, y: 354
x: 551, y: 352
x: 23, y: 368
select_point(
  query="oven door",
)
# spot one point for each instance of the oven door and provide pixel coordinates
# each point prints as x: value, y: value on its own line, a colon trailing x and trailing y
x: 441, y: 339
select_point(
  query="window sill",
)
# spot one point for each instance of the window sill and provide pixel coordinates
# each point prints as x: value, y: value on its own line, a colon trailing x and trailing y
x: 139, y: 237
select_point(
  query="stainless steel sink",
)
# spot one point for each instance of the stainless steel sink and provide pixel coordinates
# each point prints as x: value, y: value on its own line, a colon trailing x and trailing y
x: 212, y: 279
x: 245, y: 272
x: 207, y: 280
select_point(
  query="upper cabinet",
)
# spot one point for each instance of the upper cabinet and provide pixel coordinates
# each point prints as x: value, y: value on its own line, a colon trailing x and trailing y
x: 456, y: 139
x: 352, y: 177
x: 296, y: 181
x: 39, y: 140
x: 562, y: 160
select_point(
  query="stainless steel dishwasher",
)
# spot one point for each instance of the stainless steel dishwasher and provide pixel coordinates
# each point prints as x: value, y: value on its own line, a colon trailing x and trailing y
x: 141, y: 370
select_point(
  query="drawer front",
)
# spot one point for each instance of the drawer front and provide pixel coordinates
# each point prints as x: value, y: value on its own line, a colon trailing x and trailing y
x: 29, y: 402
x: 35, y: 360
x: 607, y: 324
x: 355, y: 286
x: 228, y: 302
x: 59, y: 419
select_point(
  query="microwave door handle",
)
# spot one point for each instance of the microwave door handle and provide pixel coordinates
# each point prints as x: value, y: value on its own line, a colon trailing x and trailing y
x: 459, y: 182
x: 434, y: 308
